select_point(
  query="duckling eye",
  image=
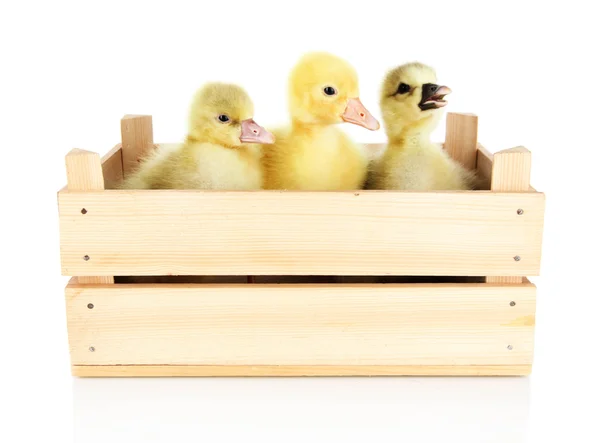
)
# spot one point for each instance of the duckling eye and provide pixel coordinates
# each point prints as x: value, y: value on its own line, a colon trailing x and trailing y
x: 223, y: 118
x: 329, y: 90
x: 403, y: 88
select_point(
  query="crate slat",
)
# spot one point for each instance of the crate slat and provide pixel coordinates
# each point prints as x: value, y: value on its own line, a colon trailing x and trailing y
x: 347, y: 325
x: 112, y: 167
x: 300, y: 233
x: 484, y: 165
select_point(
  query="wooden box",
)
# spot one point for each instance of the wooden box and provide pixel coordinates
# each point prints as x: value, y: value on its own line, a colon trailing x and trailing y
x: 204, y: 283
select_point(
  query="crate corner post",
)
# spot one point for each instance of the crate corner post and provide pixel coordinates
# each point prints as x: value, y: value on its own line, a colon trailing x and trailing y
x: 461, y: 138
x: 511, y: 171
x: 84, y: 173
x: 137, y: 139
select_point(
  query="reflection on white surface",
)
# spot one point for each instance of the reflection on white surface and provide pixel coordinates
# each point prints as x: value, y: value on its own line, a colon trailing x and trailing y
x: 301, y: 409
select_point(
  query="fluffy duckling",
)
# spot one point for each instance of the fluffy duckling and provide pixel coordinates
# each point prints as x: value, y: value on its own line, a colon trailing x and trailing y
x: 222, y: 150
x: 411, y: 102
x: 312, y: 154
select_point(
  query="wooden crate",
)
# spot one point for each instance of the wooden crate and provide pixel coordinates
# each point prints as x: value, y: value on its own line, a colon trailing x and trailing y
x: 301, y: 283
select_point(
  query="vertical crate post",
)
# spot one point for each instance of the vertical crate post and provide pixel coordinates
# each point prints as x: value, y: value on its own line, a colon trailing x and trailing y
x: 461, y: 138
x: 136, y: 139
x: 511, y: 171
x: 84, y: 173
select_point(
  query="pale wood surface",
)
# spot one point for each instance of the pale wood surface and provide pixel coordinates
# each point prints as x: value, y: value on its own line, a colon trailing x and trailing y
x: 112, y: 167
x: 300, y: 233
x: 412, y: 324
x: 511, y: 170
x: 137, y: 139
x: 297, y: 371
x: 461, y: 138
x: 84, y: 173
x: 95, y: 280
x: 484, y: 165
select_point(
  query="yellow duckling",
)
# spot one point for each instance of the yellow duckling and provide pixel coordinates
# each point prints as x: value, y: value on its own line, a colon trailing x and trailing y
x: 222, y: 149
x: 411, y: 102
x: 312, y: 154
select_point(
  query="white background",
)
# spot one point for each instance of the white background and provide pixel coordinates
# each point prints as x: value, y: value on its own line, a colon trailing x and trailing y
x: 70, y: 70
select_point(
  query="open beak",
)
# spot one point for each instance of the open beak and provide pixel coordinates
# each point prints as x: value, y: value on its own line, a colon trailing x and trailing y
x: 356, y: 113
x: 254, y: 133
x: 433, y: 96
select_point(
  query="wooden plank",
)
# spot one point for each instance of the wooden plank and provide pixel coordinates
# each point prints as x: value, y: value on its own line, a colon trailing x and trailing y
x: 461, y: 138
x: 166, y: 232
x: 112, y: 167
x: 84, y: 173
x: 511, y: 170
x: 137, y: 139
x: 484, y: 166
x: 297, y: 371
x: 413, y: 324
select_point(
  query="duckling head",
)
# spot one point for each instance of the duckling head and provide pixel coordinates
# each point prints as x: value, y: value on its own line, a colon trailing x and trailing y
x: 323, y: 89
x: 223, y: 114
x: 411, y: 98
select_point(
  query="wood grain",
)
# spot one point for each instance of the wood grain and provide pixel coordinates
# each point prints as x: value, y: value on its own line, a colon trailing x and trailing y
x: 461, y: 138
x: 137, y: 139
x: 485, y: 161
x: 112, y: 167
x: 300, y: 233
x: 347, y: 325
x: 511, y: 170
x: 297, y: 371
x: 84, y: 173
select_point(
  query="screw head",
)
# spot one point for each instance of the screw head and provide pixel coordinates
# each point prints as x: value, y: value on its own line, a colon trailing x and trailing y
x: 90, y: 306
x: 517, y: 258
x: 84, y: 211
x: 92, y: 349
x: 512, y: 303
x: 509, y: 347
x: 86, y: 257
x: 520, y: 211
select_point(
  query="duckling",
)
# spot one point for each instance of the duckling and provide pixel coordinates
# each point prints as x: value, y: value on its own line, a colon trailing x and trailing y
x: 222, y: 149
x: 312, y: 154
x: 411, y: 104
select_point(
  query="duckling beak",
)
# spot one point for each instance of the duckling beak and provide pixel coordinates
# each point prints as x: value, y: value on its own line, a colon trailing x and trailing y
x: 433, y: 96
x: 357, y: 114
x: 254, y: 133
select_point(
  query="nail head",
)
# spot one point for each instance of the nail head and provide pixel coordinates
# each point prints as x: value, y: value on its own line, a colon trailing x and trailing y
x: 90, y: 306
x: 520, y: 211
x: 512, y: 303
x: 517, y: 258
x: 92, y: 349
x: 84, y: 211
x: 509, y: 347
x: 86, y: 257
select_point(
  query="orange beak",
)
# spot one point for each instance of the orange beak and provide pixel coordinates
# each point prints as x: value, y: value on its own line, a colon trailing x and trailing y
x: 254, y: 133
x: 357, y: 114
